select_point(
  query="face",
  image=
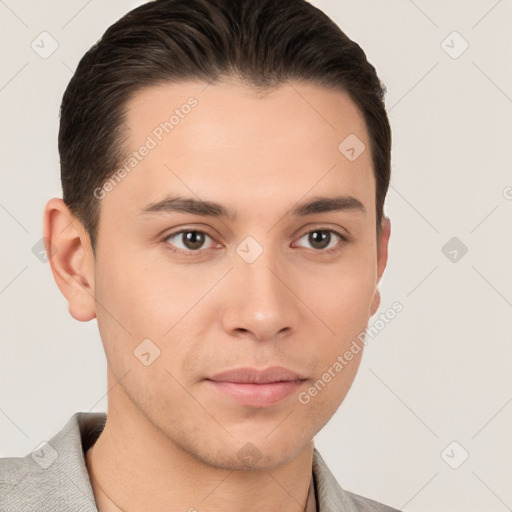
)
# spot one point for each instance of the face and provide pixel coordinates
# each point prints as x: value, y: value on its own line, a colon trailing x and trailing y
x: 216, y: 248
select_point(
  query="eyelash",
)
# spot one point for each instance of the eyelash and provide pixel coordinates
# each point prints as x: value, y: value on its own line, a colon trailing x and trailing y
x: 344, y: 239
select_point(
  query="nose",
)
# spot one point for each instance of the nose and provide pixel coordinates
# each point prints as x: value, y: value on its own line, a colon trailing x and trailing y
x: 260, y: 303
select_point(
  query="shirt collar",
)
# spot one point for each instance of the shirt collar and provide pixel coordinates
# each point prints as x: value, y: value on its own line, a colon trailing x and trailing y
x: 68, y: 472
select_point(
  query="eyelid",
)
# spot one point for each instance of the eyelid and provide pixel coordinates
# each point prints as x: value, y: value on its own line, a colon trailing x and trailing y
x: 338, y: 231
x: 188, y: 252
x: 344, y: 238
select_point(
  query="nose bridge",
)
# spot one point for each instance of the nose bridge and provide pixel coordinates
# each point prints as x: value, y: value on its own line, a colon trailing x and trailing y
x: 263, y: 303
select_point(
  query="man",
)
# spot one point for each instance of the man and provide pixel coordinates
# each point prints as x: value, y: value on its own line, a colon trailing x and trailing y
x: 224, y: 167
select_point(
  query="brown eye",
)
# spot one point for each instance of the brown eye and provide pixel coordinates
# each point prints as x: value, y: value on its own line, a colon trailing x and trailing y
x: 193, y: 239
x: 188, y: 240
x: 324, y: 240
x: 319, y: 239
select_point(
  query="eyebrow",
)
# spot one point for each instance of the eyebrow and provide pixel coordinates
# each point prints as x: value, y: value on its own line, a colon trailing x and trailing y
x: 212, y: 209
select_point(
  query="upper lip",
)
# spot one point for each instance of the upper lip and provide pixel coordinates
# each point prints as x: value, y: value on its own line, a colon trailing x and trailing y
x: 254, y: 376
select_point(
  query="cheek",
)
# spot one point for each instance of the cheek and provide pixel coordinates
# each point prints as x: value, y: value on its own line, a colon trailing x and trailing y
x: 146, y: 293
x: 148, y: 299
x: 344, y: 307
x: 343, y: 296
x: 328, y: 389
x: 342, y: 302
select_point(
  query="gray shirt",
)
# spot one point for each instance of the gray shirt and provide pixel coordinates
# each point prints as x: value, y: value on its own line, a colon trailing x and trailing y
x: 54, y: 478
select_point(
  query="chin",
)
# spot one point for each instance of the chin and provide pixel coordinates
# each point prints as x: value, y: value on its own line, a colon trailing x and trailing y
x: 260, y: 455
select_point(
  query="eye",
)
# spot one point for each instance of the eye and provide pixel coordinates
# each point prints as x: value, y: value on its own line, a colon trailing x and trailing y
x: 325, y: 240
x: 188, y: 240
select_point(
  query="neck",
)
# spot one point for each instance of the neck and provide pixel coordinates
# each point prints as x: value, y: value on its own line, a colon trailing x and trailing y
x: 133, y: 466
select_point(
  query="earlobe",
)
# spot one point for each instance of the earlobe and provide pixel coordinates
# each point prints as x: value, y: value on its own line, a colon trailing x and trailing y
x: 382, y: 247
x: 382, y: 259
x: 71, y: 259
x: 375, y: 302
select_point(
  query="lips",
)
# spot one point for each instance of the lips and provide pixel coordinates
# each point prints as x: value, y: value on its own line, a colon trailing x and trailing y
x: 253, y: 376
x: 256, y: 388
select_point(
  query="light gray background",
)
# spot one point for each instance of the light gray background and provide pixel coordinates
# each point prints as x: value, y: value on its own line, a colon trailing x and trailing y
x: 439, y: 372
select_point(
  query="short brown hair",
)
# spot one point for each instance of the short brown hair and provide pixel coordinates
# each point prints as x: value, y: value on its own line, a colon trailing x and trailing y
x: 261, y: 42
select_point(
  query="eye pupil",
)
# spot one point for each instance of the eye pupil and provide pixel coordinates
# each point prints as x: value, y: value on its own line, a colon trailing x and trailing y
x: 193, y: 239
x: 321, y: 238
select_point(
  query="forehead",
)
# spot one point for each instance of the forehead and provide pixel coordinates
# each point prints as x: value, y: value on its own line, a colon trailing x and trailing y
x: 230, y: 143
x: 291, y: 111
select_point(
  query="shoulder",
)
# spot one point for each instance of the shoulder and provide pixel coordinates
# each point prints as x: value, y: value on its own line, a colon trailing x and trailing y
x: 332, y: 497
x: 54, y: 477
x: 363, y: 504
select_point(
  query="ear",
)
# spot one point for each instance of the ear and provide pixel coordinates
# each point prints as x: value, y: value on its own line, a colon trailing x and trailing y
x: 382, y: 259
x: 71, y: 258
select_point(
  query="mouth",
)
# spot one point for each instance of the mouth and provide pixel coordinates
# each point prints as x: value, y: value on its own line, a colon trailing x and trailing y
x: 250, y: 387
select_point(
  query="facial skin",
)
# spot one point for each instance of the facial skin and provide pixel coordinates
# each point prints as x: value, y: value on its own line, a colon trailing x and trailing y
x: 172, y: 438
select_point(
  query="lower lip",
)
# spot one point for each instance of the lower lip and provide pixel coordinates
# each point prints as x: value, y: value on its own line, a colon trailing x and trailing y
x: 257, y: 395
